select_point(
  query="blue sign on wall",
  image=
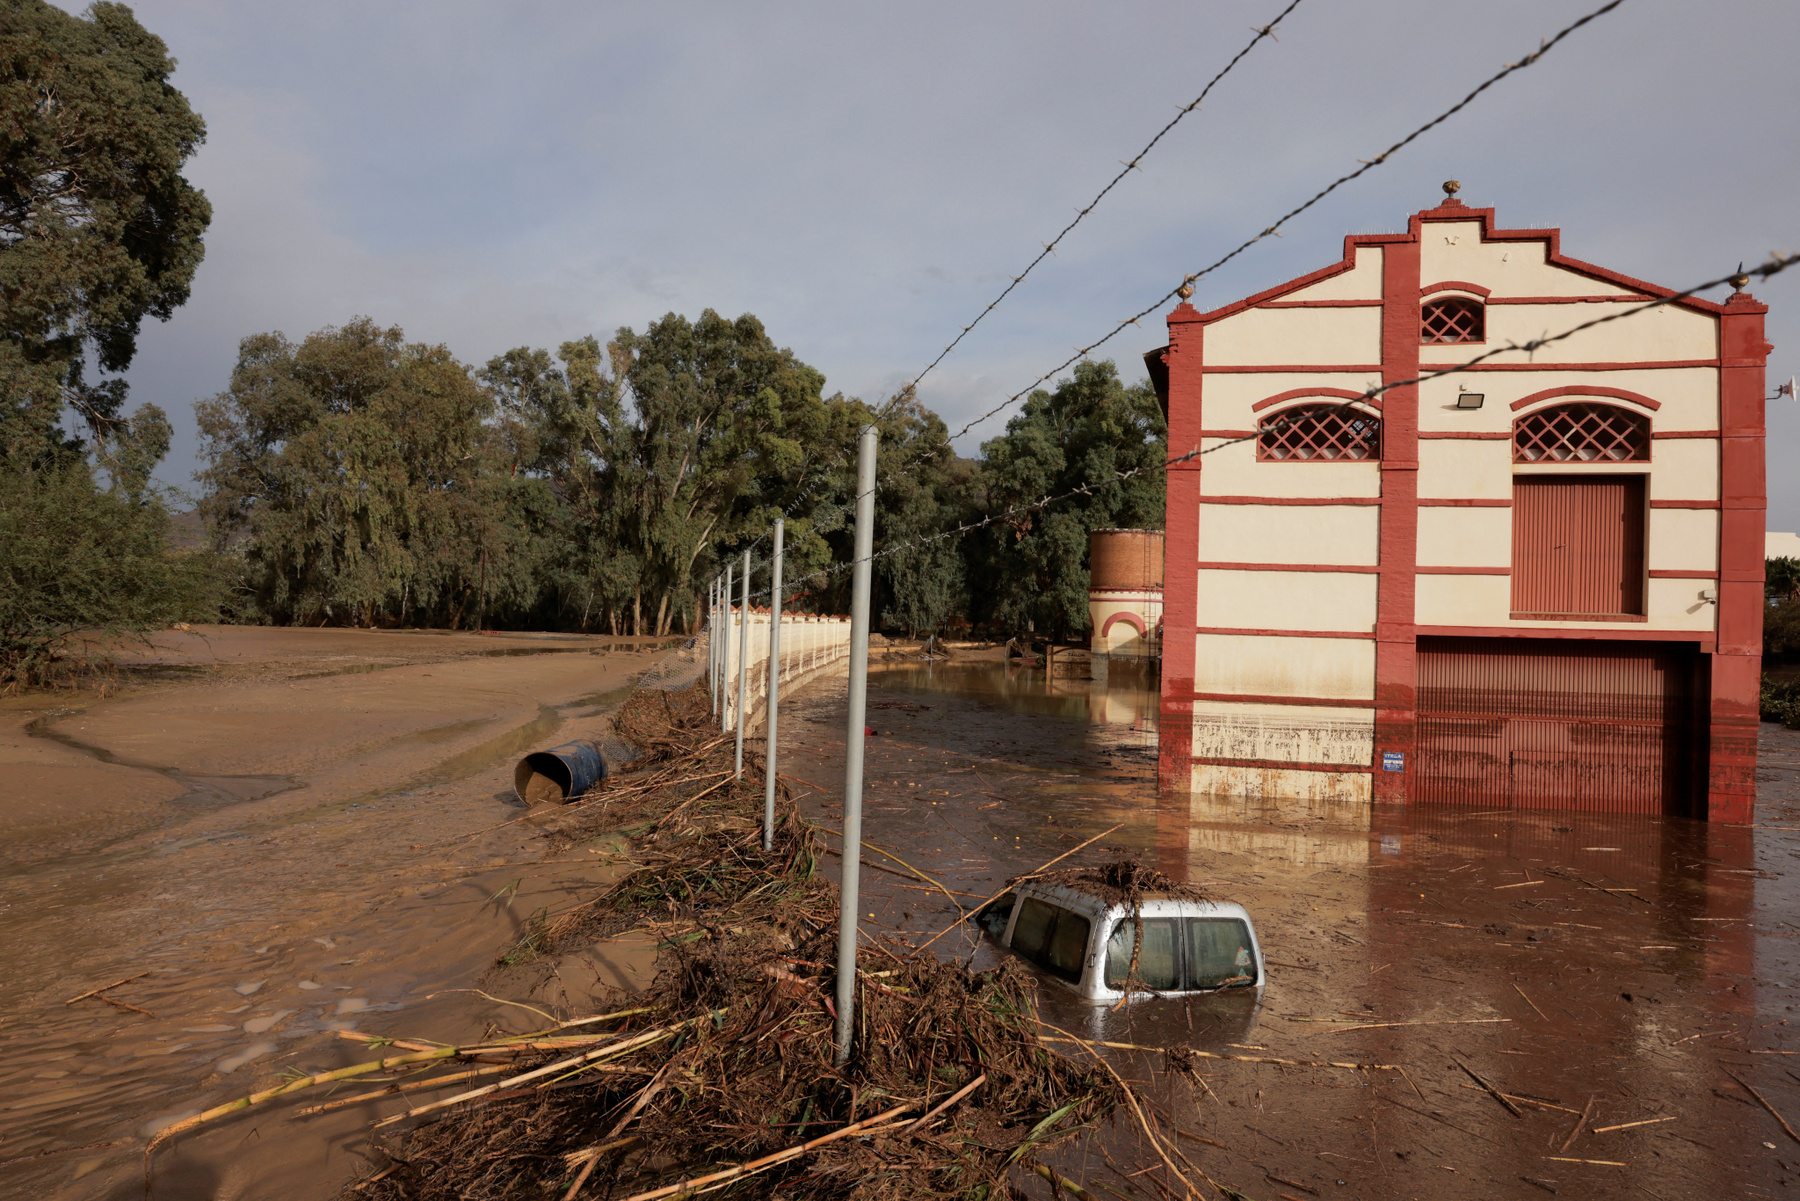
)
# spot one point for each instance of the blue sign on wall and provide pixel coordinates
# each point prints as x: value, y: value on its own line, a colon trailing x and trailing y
x: 1393, y: 761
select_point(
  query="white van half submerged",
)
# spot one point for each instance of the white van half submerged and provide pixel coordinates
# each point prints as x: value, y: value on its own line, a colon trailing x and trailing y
x: 1085, y: 942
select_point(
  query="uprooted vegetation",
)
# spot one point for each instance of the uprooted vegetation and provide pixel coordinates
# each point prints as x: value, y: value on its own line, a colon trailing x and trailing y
x: 725, y: 1064
x: 721, y: 1074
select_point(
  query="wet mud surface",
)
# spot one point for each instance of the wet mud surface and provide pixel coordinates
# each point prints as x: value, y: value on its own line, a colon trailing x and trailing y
x: 272, y: 836
x: 308, y: 839
x: 1621, y: 968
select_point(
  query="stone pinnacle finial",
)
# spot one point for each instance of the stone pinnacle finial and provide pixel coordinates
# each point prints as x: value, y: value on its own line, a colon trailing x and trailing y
x: 1452, y: 187
x: 1738, y: 281
x: 1186, y: 290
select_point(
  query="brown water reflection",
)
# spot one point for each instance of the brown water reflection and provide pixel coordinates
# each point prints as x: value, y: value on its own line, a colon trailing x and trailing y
x: 1561, y: 957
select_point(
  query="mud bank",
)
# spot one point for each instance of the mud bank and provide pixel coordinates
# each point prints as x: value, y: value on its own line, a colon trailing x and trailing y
x: 1602, y: 972
x: 278, y: 834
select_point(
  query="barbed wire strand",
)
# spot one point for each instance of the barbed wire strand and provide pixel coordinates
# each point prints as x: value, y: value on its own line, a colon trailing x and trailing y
x: 1544, y: 47
x: 1777, y: 263
x: 1262, y: 31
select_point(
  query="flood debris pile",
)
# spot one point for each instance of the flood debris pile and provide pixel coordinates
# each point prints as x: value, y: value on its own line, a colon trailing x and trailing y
x: 721, y: 1073
x: 1121, y: 882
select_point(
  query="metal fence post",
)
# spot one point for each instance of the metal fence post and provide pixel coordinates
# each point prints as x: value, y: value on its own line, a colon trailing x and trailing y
x: 774, y: 691
x: 743, y: 664
x: 725, y: 656
x: 712, y: 642
x: 849, y: 887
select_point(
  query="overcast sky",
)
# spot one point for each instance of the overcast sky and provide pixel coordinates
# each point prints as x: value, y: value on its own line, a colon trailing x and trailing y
x: 864, y: 178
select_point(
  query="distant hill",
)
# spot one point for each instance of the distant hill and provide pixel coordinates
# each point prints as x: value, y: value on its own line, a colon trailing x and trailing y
x: 187, y: 531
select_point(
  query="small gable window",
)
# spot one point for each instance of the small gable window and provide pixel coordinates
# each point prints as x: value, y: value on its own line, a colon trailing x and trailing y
x: 1453, y: 319
x: 1582, y: 433
x: 1319, y: 431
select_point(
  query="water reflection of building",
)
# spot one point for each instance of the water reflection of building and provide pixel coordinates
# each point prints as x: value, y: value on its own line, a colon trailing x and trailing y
x: 1535, y: 586
x: 1125, y: 593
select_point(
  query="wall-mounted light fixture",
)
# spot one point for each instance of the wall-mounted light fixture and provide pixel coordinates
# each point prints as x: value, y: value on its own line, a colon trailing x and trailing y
x: 1469, y: 400
x: 1710, y: 595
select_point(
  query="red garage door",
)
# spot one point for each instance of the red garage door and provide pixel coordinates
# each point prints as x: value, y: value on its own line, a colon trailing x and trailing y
x: 1546, y: 724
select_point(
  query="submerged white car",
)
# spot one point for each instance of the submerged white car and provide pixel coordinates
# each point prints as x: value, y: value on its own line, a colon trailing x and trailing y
x: 1085, y: 942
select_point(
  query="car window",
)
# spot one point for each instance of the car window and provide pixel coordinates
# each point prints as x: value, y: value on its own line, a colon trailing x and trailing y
x: 1219, y: 953
x: 1031, y: 929
x: 1051, y: 937
x: 993, y: 915
x: 1068, y: 945
x: 1157, y: 967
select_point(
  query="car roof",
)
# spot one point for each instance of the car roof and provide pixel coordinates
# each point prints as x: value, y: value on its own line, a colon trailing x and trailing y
x: 1155, y: 903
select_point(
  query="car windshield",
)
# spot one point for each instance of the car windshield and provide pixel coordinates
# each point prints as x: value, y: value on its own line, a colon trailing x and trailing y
x: 1156, y: 967
x: 1051, y: 937
x: 1219, y: 954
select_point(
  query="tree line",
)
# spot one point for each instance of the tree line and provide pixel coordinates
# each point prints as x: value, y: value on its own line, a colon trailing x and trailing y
x: 354, y: 477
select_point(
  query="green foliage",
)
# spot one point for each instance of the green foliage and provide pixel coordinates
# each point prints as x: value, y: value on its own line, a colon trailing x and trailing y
x: 1781, y: 578
x: 1780, y: 701
x: 1781, y: 630
x: 97, y: 227
x: 81, y: 565
x: 369, y: 480
x: 98, y: 230
x: 929, y: 492
x: 924, y: 490
x: 373, y: 482
x: 667, y: 451
x: 1033, y: 568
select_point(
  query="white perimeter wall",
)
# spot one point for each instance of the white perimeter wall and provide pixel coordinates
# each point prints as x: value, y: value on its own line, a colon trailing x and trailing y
x: 809, y: 645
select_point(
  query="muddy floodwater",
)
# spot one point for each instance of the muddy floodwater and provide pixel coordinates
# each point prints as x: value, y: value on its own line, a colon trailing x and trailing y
x: 272, y: 836
x: 269, y: 835
x: 1617, y: 968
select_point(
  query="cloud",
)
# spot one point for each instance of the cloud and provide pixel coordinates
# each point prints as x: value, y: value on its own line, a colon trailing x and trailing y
x: 865, y: 178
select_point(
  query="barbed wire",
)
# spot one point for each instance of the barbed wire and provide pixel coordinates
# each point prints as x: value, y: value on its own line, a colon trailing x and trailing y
x: 1777, y: 262
x: 1262, y: 31
x: 1544, y: 47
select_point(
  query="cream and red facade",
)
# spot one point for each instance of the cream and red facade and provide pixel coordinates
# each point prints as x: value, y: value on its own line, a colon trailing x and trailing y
x: 1305, y: 597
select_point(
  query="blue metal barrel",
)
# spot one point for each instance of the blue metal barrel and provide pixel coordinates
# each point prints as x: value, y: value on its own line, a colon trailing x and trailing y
x: 560, y: 774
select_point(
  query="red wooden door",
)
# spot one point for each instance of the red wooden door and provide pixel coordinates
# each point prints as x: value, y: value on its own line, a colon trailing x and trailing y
x: 1578, y: 544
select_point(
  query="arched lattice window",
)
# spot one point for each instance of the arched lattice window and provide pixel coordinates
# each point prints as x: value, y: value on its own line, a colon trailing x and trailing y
x: 1582, y: 433
x: 1453, y: 319
x: 1319, y: 431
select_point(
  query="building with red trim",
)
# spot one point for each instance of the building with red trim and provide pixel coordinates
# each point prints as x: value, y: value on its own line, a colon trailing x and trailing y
x: 1537, y: 582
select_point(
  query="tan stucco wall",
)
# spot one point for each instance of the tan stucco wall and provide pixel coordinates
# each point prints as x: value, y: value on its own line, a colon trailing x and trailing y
x: 1262, y: 665
x: 1347, y: 786
x: 1234, y: 471
x: 1689, y: 396
x: 1684, y: 539
x: 1361, y: 282
x: 1454, y: 250
x: 1287, y: 600
x: 1465, y: 537
x: 1284, y: 733
x: 1274, y: 337
x: 1465, y: 470
x: 1338, y: 534
x: 1230, y: 395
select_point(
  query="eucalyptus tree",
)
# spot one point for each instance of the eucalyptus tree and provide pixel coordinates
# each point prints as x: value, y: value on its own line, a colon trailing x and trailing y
x: 98, y: 230
x: 669, y: 450
x: 371, y: 482
x: 1032, y: 567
